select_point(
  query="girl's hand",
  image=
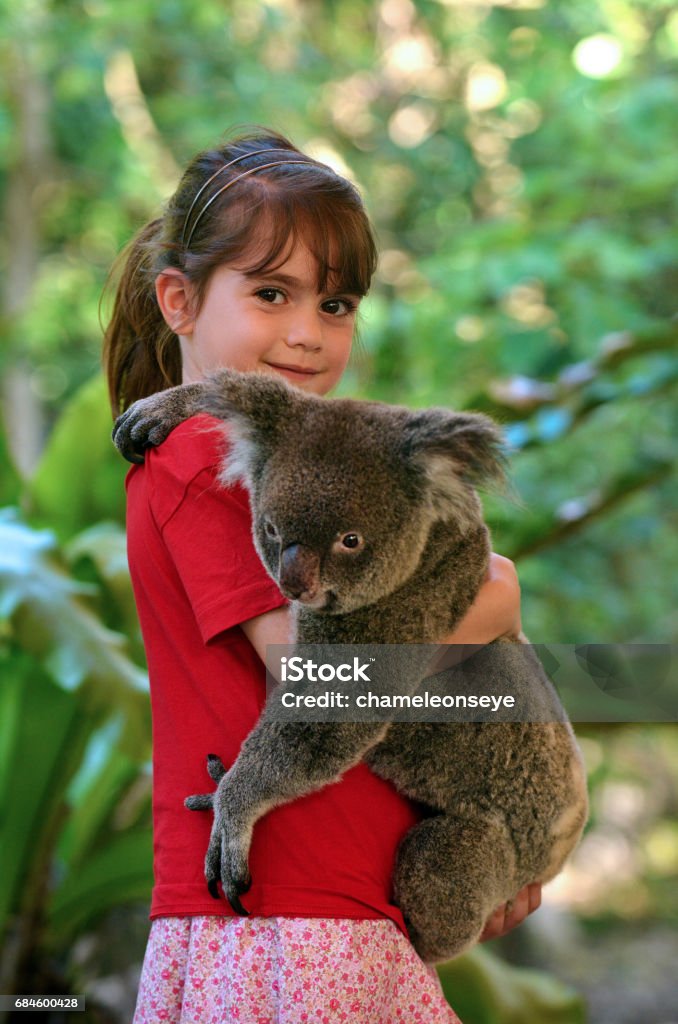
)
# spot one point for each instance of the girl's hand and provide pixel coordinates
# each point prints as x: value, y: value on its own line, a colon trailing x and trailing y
x: 496, y: 609
x: 510, y: 915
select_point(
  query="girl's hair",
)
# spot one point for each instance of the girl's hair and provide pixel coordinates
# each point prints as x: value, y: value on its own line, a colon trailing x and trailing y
x: 231, y: 208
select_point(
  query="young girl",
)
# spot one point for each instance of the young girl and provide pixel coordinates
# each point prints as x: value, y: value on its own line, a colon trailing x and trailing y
x: 259, y: 263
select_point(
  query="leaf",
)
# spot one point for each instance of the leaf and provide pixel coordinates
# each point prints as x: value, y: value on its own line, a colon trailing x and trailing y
x: 120, y: 872
x: 80, y: 478
x: 38, y: 756
x: 484, y: 990
x: 104, y: 779
x: 105, y: 545
x: 10, y: 481
x: 49, y: 620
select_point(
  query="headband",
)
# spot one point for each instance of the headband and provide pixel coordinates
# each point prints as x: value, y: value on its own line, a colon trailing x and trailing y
x: 244, y: 174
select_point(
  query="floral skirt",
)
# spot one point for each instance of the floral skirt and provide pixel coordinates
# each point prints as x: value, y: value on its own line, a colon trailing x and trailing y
x: 281, y: 970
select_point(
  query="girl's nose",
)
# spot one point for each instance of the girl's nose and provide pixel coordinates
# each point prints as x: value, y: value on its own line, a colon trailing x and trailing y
x: 304, y: 330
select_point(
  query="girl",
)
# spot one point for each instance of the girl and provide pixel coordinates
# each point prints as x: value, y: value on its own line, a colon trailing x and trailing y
x: 259, y: 263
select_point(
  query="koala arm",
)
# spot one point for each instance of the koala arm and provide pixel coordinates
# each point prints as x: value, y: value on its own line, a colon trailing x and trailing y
x: 148, y: 421
x: 278, y: 762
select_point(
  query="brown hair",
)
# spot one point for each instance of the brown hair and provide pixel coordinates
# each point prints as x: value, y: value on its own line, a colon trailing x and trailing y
x: 206, y: 225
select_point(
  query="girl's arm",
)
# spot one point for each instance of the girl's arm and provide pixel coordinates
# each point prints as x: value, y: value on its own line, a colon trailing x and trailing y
x: 496, y: 609
x: 495, y: 612
x: 270, y: 628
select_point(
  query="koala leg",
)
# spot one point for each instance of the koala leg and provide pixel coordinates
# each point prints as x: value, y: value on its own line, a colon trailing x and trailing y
x: 451, y: 873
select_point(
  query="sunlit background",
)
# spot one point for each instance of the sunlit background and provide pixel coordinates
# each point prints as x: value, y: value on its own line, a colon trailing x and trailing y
x: 519, y: 161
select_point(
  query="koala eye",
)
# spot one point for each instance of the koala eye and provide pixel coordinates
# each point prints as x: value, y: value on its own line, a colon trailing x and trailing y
x: 270, y: 530
x: 349, y: 542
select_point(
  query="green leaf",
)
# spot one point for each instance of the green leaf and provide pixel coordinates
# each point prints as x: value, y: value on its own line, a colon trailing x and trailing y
x: 484, y: 990
x: 49, y: 619
x: 80, y: 478
x: 38, y: 756
x: 103, y: 781
x: 10, y: 481
x: 105, y: 545
x: 119, y: 873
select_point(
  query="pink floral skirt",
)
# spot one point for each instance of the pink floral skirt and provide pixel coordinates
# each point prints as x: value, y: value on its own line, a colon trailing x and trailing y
x: 281, y: 970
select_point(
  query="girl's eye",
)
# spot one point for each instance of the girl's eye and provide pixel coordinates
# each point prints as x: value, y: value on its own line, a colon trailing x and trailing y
x: 350, y: 542
x: 339, y: 307
x: 273, y: 295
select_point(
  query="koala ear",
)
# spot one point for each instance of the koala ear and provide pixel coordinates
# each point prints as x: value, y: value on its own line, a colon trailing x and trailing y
x: 255, y: 406
x: 456, y: 451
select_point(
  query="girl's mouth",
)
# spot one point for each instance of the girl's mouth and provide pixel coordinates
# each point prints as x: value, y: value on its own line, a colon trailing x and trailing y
x: 294, y: 373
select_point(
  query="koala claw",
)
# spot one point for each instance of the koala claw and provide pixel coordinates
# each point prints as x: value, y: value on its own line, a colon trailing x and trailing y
x: 122, y: 437
x: 237, y: 907
x: 231, y: 870
x: 133, y: 434
x: 215, y: 767
x: 144, y: 425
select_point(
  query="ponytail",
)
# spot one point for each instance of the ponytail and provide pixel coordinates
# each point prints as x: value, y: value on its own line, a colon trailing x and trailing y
x: 141, y: 354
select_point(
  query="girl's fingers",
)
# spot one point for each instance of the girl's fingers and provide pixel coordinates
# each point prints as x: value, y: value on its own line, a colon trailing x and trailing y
x: 534, y: 897
x: 494, y: 925
x: 511, y: 914
x: 518, y: 911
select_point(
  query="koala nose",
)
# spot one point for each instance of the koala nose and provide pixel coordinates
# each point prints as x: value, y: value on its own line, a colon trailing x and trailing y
x: 299, y: 569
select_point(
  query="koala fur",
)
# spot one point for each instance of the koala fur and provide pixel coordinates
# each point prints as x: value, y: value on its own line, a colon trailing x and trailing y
x: 506, y: 800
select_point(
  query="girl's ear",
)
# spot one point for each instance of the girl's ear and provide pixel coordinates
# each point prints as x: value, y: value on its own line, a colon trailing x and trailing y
x: 174, y: 293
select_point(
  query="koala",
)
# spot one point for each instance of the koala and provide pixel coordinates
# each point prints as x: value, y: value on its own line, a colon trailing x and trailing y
x: 367, y: 517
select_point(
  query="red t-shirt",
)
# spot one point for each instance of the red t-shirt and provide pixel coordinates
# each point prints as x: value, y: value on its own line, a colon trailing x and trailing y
x: 196, y: 576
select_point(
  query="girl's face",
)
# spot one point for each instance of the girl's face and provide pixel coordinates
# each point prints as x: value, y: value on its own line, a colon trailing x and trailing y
x: 274, y: 321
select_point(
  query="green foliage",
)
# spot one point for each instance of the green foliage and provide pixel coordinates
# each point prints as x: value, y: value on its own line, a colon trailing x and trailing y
x: 10, y: 485
x: 74, y: 742
x: 483, y: 990
x: 80, y: 477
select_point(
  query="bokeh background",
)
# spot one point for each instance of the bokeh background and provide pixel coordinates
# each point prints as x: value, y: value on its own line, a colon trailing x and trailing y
x: 519, y: 160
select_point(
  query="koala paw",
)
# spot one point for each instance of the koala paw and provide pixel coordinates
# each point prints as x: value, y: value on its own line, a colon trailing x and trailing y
x: 144, y: 425
x: 226, y: 858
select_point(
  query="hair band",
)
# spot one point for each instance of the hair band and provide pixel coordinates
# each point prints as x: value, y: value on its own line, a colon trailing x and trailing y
x: 244, y: 174
x: 220, y: 170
